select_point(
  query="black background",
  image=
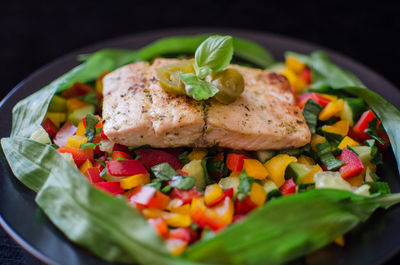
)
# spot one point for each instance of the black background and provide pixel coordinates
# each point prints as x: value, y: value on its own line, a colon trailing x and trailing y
x: 34, y: 33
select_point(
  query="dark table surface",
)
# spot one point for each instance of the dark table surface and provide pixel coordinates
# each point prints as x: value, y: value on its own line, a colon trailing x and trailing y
x: 35, y: 33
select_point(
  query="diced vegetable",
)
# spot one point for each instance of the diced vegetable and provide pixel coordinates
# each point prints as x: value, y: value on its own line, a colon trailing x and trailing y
x: 352, y: 164
x: 93, y: 175
x: 316, y: 139
x: 306, y: 75
x: 303, y: 98
x: 118, y: 155
x: 356, y: 181
x: 298, y: 171
x: 264, y: 156
x: 235, y: 162
x: 76, y: 90
x: 77, y: 115
x: 175, y: 246
x: 76, y: 141
x: 245, y: 206
x: 310, y: 112
x: 347, y: 141
x: 85, y: 166
x: 294, y: 64
x: 340, y: 127
x: 213, y: 194
x: 185, y: 195
x: 159, y: 225
x: 352, y: 110
x: 331, y: 109
x: 56, y: 117
x: 269, y: 186
x: 152, y: 157
x: 195, y: 170
x: 74, y: 104
x: 276, y: 168
x: 41, y: 136
x: 288, y: 187
x: 134, y: 181
x: 149, y: 197
x: 363, y: 152
x: 257, y: 194
x: 50, y: 127
x: 57, y: 104
x: 110, y: 187
x: 229, y: 182
x: 182, y: 233
x: 362, y: 124
x: 79, y: 155
x: 326, y: 156
x: 298, y: 84
x: 125, y: 168
x: 255, y: 169
x: 306, y: 160
x: 198, y: 154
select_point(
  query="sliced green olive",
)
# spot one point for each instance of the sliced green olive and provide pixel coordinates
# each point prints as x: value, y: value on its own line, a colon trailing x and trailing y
x: 230, y: 84
x: 168, y: 76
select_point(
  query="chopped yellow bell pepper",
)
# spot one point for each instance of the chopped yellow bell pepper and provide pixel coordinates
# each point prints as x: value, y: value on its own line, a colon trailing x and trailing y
x: 175, y: 246
x: 294, y: 64
x: 76, y: 141
x: 347, y: 141
x: 85, y: 166
x: 255, y: 169
x: 306, y: 160
x: 81, y: 129
x: 340, y: 127
x: 176, y: 219
x: 340, y: 241
x: 74, y: 104
x: 276, y: 168
x: 57, y: 104
x: 152, y: 213
x: 356, y: 181
x: 309, y: 178
x: 257, y: 194
x: 56, y: 117
x: 331, y: 97
x: 212, y: 193
x: 298, y: 84
x: 134, y: 181
x: 197, y: 154
x: 331, y: 109
x: 316, y: 139
x: 184, y: 209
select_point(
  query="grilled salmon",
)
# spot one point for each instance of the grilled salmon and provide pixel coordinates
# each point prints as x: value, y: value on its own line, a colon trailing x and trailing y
x: 137, y: 111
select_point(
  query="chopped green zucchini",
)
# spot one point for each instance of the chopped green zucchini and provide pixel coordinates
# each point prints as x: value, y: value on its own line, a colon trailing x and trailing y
x: 353, y: 109
x: 264, y: 156
x: 230, y: 182
x: 363, y: 152
x: 195, y: 170
x: 76, y: 116
x: 297, y: 171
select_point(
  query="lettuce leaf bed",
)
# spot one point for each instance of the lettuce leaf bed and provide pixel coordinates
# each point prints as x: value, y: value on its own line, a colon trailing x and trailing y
x: 282, y: 230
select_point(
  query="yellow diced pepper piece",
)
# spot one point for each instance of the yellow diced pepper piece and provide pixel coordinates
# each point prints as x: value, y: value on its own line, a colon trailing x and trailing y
x: 340, y: 127
x: 74, y: 104
x: 99, y: 82
x: 76, y: 141
x: 298, y: 84
x: 309, y: 178
x: 57, y: 104
x: 306, y: 160
x: 134, y: 181
x: 276, y: 168
x: 347, y: 141
x: 176, y: 219
x: 80, y: 130
x: 85, y: 166
x: 331, y: 97
x: 255, y: 169
x: 331, y: 109
x: 257, y: 194
x: 212, y: 193
x: 294, y: 64
x: 316, y: 139
x: 175, y: 246
x: 356, y: 181
x: 56, y: 117
x: 152, y: 213
x: 197, y: 154
x: 340, y: 241
x: 184, y: 209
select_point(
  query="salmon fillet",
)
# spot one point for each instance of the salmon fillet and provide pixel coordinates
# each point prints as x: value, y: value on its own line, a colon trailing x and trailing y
x: 137, y: 111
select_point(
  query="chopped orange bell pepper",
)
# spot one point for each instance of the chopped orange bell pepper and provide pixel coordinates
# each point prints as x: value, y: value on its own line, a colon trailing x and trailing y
x: 216, y: 217
x: 255, y: 169
x: 276, y: 168
x: 152, y: 213
x: 340, y: 127
x: 309, y: 178
x: 159, y: 225
x: 197, y: 154
x: 213, y: 194
x: 177, y: 219
x: 85, y: 166
x: 306, y: 160
x: 184, y: 209
x: 347, y: 141
x: 257, y: 194
x: 81, y: 129
x: 294, y: 64
x: 134, y: 181
x: 331, y: 109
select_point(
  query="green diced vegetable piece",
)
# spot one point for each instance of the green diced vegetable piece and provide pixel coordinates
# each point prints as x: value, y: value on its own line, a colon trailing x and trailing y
x: 41, y: 136
x: 297, y: 171
x: 311, y: 111
x: 269, y: 186
x: 264, y: 156
x: 195, y: 170
x: 58, y: 104
x: 306, y: 187
x: 363, y: 152
x: 76, y: 116
x: 274, y: 194
x: 229, y: 182
x: 326, y: 156
x: 353, y: 108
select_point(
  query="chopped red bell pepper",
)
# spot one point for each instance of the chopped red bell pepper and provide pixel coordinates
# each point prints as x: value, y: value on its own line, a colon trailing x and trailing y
x: 76, y: 90
x: 149, y: 197
x: 67, y: 130
x: 118, y: 154
x: 122, y: 148
x: 183, y: 233
x: 245, y: 206
x: 97, y: 149
x: 383, y: 135
x: 79, y: 155
x: 111, y: 187
x: 103, y: 135
x: 288, y: 187
x: 362, y: 124
x: 93, y: 175
x: 159, y: 225
x: 216, y: 217
x: 185, y: 195
x: 227, y: 193
x: 352, y: 164
x: 98, y: 165
x: 303, y: 98
x: 235, y: 162
x: 152, y: 157
x: 50, y: 127
x: 125, y: 168
x: 306, y: 75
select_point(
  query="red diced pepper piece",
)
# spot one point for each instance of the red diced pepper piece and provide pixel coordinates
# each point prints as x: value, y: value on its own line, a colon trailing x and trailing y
x: 50, y: 127
x: 152, y: 157
x: 306, y: 75
x: 93, y: 175
x: 245, y: 206
x: 183, y: 233
x: 67, y: 130
x: 362, y: 124
x: 159, y: 225
x: 352, y: 164
x: 303, y: 98
x: 122, y: 148
x: 78, y: 89
x: 98, y: 165
x: 185, y: 195
x: 288, y: 187
x: 125, y: 168
x: 149, y: 197
x: 116, y: 154
x: 111, y: 187
x: 235, y: 162
x: 229, y: 193
x: 102, y: 135
x: 79, y: 155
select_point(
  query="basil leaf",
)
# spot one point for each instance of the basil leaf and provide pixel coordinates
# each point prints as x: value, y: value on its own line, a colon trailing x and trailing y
x: 244, y: 185
x: 181, y: 182
x: 166, y: 189
x: 156, y: 184
x: 371, y: 130
x: 310, y: 112
x: 89, y: 145
x: 91, y: 122
x: 197, y: 88
x: 213, y: 55
x: 163, y: 171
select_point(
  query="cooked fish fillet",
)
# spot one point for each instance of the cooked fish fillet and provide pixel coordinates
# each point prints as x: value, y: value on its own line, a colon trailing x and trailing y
x: 137, y: 111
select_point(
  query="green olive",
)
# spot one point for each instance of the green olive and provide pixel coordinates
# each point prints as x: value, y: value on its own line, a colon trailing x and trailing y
x: 168, y: 76
x: 230, y: 84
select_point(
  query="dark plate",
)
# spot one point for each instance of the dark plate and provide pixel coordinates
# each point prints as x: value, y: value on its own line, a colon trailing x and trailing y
x: 371, y: 243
